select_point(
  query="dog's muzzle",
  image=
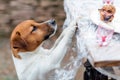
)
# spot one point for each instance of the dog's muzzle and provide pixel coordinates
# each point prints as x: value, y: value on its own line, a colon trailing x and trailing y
x: 52, y: 22
x: 53, y: 25
x: 107, y: 18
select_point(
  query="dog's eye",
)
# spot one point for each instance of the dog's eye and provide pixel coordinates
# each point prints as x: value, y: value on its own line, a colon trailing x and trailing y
x: 34, y: 29
x: 103, y: 9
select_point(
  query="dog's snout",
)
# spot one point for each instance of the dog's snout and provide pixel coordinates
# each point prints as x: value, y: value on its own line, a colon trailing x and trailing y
x: 52, y: 22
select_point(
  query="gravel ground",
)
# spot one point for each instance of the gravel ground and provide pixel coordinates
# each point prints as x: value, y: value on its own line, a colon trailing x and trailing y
x: 7, y: 70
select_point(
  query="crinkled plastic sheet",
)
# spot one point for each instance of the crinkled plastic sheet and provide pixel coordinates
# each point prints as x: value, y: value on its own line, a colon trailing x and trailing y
x: 82, y: 8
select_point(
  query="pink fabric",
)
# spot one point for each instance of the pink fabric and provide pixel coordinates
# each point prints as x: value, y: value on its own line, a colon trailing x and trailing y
x: 104, y: 36
x: 108, y: 1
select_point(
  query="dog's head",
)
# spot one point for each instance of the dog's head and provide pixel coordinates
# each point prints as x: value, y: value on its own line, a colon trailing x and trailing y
x: 107, y: 13
x: 28, y: 35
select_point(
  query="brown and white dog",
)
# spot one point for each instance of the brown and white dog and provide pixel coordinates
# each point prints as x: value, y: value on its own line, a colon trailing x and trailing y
x: 31, y: 60
x: 107, y: 13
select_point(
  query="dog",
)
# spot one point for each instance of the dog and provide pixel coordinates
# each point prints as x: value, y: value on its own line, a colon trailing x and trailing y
x: 107, y: 13
x: 31, y: 60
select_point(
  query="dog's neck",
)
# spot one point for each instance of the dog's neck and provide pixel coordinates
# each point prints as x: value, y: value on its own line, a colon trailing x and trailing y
x: 38, y: 51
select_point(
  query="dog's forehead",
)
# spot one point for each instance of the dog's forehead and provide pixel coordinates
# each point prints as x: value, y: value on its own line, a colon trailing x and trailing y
x: 27, y: 23
x: 23, y: 26
x: 110, y: 7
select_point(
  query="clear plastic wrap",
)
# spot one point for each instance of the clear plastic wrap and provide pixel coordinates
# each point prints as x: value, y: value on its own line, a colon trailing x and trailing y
x: 82, y: 9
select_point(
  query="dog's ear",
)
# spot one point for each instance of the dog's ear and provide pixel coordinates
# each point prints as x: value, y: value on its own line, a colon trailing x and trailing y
x: 99, y: 9
x: 101, y: 16
x: 17, y: 44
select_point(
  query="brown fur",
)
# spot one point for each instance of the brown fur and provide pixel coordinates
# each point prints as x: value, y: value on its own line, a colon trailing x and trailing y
x: 28, y: 35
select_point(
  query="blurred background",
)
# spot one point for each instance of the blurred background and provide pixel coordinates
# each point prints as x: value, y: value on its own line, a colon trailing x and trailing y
x: 12, y: 12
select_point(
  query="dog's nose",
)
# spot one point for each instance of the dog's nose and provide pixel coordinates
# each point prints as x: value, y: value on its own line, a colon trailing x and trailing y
x: 52, y: 22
